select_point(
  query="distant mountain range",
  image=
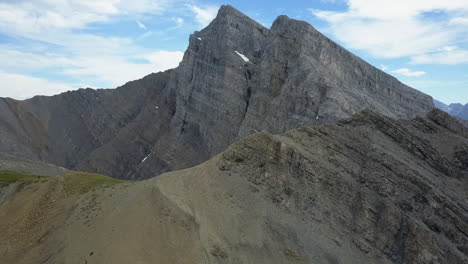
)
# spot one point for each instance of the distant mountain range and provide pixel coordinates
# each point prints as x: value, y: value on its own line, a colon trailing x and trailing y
x: 458, y: 110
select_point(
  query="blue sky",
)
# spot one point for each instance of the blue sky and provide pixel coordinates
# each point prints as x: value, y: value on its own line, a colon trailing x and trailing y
x: 50, y: 46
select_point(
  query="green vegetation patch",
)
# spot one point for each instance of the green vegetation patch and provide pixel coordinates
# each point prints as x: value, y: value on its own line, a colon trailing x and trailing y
x: 82, y: 182
x: 8, y: 177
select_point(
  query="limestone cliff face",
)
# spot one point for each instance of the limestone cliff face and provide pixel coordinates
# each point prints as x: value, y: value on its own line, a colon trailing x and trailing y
x: 236, y: 77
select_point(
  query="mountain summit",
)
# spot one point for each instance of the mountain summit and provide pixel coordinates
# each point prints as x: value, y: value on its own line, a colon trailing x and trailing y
x: 237, y: 77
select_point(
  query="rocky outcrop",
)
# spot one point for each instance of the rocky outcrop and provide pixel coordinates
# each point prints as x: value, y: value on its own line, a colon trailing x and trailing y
x: 393, y: 190
x: 369, y: 189
x: 236, y: 77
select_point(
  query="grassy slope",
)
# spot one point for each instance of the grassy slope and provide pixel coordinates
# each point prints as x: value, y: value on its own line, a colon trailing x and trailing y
x: 75, y: 182
x: 82, y: 182
x: 33, y: 206
x: 7, y: 177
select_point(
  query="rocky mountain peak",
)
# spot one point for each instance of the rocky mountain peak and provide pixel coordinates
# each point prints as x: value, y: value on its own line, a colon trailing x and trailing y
x: 229, y: 16
x: 228, y: 10
x: 231, y: 33
x: 284, y: 23
x: 236, y: 78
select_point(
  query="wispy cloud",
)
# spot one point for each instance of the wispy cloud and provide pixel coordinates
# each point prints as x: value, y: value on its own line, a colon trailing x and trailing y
x: 447, y: 55
x: 179, y: 21
x: 106, y: 68
x: 117, y: 70
x: 204, y: 15
x: 459, y: 21
x: 400, y: 28
x: 68, y: 51
x: 141, y: 25
x: 408, y: 73
x: 22, y: 86
x: 26, y: 18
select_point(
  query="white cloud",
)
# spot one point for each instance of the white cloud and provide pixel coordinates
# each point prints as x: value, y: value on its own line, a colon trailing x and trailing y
x: 204, y: 15
x: 107, y: 69
x: 459, y: 21
x: 395, y: 9
x: 448, y: 56
x: 162, y: 60
x: 179, y: 21
x: 22, y: 87
x: 408, y: 73
x: 79, y: 57
x: 25, y: 17
x: 55, y: 22
x: 399, y: 28
x: 26, y: 61
x: 141, y: 25
x: 116, y: 71
x: 383, y: 67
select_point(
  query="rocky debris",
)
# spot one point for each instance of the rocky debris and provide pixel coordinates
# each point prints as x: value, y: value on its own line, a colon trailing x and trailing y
x: 236, y: 77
